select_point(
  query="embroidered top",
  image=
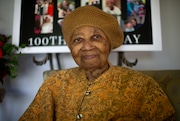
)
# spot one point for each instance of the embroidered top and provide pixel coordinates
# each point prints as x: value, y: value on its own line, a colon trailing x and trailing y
x: 119, y: 94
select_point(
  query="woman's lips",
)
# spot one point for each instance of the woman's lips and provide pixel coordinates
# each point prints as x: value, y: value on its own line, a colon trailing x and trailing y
x: 89, y: 56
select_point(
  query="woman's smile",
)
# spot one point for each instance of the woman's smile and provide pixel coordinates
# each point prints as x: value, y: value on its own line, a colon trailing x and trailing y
x: 89, y: 57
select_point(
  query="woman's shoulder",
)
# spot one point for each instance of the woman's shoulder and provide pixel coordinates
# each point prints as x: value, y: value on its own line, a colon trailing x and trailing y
x: 129, y: 74
x: 125, y: 70
x: 61, y: 76
x: 65, y: 72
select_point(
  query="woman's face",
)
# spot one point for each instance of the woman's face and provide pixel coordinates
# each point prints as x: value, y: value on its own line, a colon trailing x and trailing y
x: 90, y: 48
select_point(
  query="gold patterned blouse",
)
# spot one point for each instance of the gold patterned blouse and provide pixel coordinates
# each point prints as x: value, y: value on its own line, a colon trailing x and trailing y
x: 119, y: 94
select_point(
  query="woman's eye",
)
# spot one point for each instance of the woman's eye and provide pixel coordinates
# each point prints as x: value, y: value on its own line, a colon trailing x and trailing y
x: 77, y: 40
x: 96, y: 37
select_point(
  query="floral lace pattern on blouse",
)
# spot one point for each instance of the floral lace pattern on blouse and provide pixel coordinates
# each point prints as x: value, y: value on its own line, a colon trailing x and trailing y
x: 119, y: 94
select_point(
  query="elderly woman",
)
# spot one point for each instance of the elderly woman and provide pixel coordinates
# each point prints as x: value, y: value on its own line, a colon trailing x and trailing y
x: 97, y: 90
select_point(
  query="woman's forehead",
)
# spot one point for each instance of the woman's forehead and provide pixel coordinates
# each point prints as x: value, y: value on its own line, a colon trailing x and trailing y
x: 85, y: 29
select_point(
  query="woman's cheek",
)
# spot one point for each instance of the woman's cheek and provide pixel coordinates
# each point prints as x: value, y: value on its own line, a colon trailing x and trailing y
x: 75, y: 50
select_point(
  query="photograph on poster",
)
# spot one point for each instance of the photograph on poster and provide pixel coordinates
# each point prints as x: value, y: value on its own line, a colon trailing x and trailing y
x: 39, y: 27
x: 96, y: 3
x: 43, y: 17
x: 114, y: 8
x: 64, y: 7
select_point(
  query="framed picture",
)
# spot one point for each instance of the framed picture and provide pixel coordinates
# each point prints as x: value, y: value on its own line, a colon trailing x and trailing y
x: 37, y: 23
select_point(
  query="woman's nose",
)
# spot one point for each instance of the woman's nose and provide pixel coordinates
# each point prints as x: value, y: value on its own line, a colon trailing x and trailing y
x: 88, y: 45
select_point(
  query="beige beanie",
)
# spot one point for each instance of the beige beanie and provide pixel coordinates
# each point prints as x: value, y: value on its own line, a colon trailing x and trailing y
x: 94, y: 17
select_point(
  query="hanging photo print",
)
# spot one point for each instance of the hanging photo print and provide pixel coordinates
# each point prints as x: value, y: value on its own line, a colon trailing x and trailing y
x: 37, y: 23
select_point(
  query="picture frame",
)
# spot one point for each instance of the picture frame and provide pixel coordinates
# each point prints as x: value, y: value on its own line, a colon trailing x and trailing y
x: 148, y: 38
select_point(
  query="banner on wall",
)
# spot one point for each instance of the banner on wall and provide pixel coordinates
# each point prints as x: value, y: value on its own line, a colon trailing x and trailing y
x: 37, y: 23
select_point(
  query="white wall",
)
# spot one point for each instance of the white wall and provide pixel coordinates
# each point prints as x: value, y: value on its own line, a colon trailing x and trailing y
x: 21, y: 91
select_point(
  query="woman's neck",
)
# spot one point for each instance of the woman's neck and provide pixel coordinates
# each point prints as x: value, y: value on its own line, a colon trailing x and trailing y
x: 92, y: 75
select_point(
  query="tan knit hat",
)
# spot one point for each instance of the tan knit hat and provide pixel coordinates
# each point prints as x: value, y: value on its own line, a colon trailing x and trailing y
x: 94, y: 17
